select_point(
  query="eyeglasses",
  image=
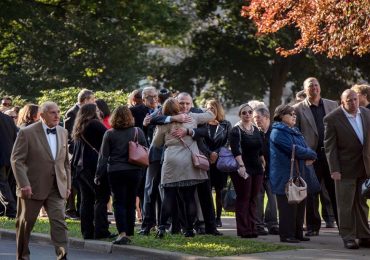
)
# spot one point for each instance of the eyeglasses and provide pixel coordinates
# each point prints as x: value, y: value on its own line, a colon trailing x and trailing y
x: 247, y: 112
x: 6, y: 104
x: 291, y: 114
x: 151, y: 97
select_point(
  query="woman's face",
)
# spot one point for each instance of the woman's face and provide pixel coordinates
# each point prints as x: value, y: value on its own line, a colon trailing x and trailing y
x: 246, y: 114
x: 289, y: 119
x: 213, y: 109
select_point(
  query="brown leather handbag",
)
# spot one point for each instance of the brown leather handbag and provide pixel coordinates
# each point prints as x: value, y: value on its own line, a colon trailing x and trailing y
x: 137, y: 153
x: 199, y: 160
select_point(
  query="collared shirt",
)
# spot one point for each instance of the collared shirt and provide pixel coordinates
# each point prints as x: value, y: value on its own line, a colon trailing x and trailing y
x: 52, y: 140
x: 356, y: 123
x: 318, y: 113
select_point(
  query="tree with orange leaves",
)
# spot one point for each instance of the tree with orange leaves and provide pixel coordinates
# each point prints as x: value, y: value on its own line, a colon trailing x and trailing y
x: 332, y: 27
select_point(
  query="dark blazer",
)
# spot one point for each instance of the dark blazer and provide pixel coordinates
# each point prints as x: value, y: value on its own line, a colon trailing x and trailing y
x: 344, y: 151
x: 69, y: 121
x: 8, y: 134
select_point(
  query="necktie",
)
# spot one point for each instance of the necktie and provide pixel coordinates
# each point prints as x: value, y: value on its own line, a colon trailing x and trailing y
x: 51, y: 131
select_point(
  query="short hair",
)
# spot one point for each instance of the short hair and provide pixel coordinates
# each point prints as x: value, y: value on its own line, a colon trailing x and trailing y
x: 185, y: 94
x: 254, y: 104
x: 146, y: 90
x: 307, y: 82
x: 263, y: 111
x: 242, y: 107
x: 7, y: 98
x: 362, y: 89
x: 122, y: 118
x: 103, y: 107
x: 27, y: 114
x: 46, y: 106
x: 218, y: 107
x: 282, y: 110
x: 84, y: 94
x: 171, y: 107
x: 163, y: 95
x: 135, y: 94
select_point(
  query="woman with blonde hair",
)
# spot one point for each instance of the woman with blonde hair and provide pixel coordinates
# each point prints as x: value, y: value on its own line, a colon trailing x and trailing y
x: 29, y: 114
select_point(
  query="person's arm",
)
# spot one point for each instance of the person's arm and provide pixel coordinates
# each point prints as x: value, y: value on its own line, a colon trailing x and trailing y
x: 331, y: 149
x: 67, y: 167
x: 158, y: 138
x: 104, y: 153
x: 141, y: 138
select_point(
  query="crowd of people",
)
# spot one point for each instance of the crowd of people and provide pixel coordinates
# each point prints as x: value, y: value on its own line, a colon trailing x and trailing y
x: 73, y: 169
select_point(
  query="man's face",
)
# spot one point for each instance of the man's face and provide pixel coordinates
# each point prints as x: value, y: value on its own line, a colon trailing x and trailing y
x: 313, y: 90
x: 260, y: 120
x: 89, y: 100
x: 51, y: 117
x: 186, y: 103
x: 350, y: 102
x: 6, y: 103
x: 150, y: 99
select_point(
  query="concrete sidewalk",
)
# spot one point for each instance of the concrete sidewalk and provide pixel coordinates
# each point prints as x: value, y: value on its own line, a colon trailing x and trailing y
x: 328, y: 245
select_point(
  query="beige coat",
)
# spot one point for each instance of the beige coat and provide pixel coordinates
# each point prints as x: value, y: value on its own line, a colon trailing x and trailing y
x: 306, y: 122
x: 177, y: 165
x: 33, y: 164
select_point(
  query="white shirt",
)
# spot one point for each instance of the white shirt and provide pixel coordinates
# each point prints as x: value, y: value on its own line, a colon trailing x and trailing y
x: 356, y: 123
x: 52, y: 140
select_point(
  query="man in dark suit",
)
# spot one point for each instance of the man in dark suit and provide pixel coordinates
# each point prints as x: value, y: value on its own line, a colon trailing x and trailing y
x: 41, y: 168
x: 347, y: 147
x: 8, y: 133
x: 84, y: 97
x: 310, y: 115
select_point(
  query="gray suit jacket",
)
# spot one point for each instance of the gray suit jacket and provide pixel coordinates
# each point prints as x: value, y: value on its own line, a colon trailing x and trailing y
x: 306, y: 122
x: 344, y: 151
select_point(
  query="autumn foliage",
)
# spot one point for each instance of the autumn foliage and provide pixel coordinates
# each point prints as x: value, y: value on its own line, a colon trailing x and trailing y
x: 333, y: 27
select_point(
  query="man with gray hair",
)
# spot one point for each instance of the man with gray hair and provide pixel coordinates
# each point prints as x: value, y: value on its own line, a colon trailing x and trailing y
x: 261, y: 117
x: 42, y: 171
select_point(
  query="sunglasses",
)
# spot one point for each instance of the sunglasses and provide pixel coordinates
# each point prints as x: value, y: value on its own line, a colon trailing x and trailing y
x: 291, y: 114
x: 247, y: 112
x: 6, y: 104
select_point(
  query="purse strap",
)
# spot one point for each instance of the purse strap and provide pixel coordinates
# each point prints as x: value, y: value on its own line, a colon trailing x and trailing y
x: 182, y: 141
x: 135, y: 135
x: 292, y: 159
x: 92, y: 147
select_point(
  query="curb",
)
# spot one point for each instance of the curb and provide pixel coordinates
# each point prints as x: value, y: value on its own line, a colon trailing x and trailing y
x: 105, y: 247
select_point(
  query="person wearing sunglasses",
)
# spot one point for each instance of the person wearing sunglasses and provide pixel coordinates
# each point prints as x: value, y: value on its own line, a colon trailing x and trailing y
x: 6, y: 104
x: 246, y: 145
x: 282, y: 138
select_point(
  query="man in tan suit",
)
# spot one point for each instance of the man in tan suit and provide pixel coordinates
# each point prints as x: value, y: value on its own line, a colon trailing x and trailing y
x: 310, y: 120
x: 41, y: 168
x: 347, y: 147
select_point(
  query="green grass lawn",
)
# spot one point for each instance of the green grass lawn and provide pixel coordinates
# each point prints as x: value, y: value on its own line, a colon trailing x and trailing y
x: 204, y: 245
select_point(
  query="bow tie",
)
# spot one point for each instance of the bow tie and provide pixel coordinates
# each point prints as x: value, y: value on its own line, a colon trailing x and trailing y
x: 51, y: 131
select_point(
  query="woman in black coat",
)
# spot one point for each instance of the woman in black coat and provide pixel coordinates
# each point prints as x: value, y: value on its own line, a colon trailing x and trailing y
x: 88, y: 133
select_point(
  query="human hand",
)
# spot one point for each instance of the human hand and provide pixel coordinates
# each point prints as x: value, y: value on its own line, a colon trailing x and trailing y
x: 181, y: 118
x: 147, y: 120
x: 243, y: 173
x: 336, y: 176
x: 309, y: 162
x: 26, y: 192
x: 179, y: 132
x: 213, y: 157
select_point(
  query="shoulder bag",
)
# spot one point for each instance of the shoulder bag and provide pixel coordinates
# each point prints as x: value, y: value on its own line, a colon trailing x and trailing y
x: 199, y: 160
x: 226, y: 161
x: 229, y: 198
x: 296, y: 187
x: 137, y: 153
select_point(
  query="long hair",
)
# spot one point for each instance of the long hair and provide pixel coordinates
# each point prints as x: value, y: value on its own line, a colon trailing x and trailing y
x: 28, y: 114
x: 122, y: 118
x: 86, y: 113
x: 220, y: 113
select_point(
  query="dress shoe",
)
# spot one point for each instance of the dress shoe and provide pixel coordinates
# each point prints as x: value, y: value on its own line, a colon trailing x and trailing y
x: 200, y: 230
x: 71, y: 216
x: 218, y: 222
x: 104, y: 236
x: 289, y: 240
x: 303, y: 239
x: 364, y: 242
x: 274, y: 231
x: 350, y: 244
x: 312, y: 233
x: 144, y: 232
x: 122, y: 240
x: 262, y: 232
x: 160, y: 233
x: 189, y: 233
x: 214, y: 233
x: 330, y: 224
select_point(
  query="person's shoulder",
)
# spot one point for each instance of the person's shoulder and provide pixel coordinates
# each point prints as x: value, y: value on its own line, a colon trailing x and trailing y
x: 334, y: 113
x: 72, y: 111
x: 300, y: 104
x: 196, y: 110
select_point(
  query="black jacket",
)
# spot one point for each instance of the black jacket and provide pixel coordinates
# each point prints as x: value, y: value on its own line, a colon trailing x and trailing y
x: 8, y: 134
x: 69, y: 121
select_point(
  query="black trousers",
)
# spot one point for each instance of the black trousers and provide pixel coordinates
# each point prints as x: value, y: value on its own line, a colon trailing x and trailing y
x: 152, y: 199
x: 93, y: 208
x: 11, y: 207
x: 313, y: 219
x: 206, y: 203
x: 187, y: 196
x: 291, y: 218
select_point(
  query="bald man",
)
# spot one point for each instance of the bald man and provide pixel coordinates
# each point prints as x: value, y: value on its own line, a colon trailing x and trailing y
x: 347, y: 148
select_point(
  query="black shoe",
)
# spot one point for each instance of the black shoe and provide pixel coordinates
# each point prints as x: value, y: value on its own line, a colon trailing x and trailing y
x: 214, y: 233
x: 189, y: 234
x: 104, y: 236
x: 200, y: 231
x: 274, y: 231
x: 303, y: 239
x: 262, y: 232
x: 218, y: 222
x: 312, y: 233
x: 122, y: 241
x: 330, y: 224
x: 71, y: 216
x: 364, y: 242
x: 144, y: 232
x: 289, y: 240
x: 350, y: 244
x: 160, y: 233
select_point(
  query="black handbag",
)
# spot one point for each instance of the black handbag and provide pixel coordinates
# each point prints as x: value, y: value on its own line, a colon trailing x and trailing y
x: 365, y: 189
x: 229, y: 198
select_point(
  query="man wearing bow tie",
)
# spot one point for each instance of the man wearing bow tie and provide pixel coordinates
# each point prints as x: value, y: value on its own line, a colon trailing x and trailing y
x: 41, y: 168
